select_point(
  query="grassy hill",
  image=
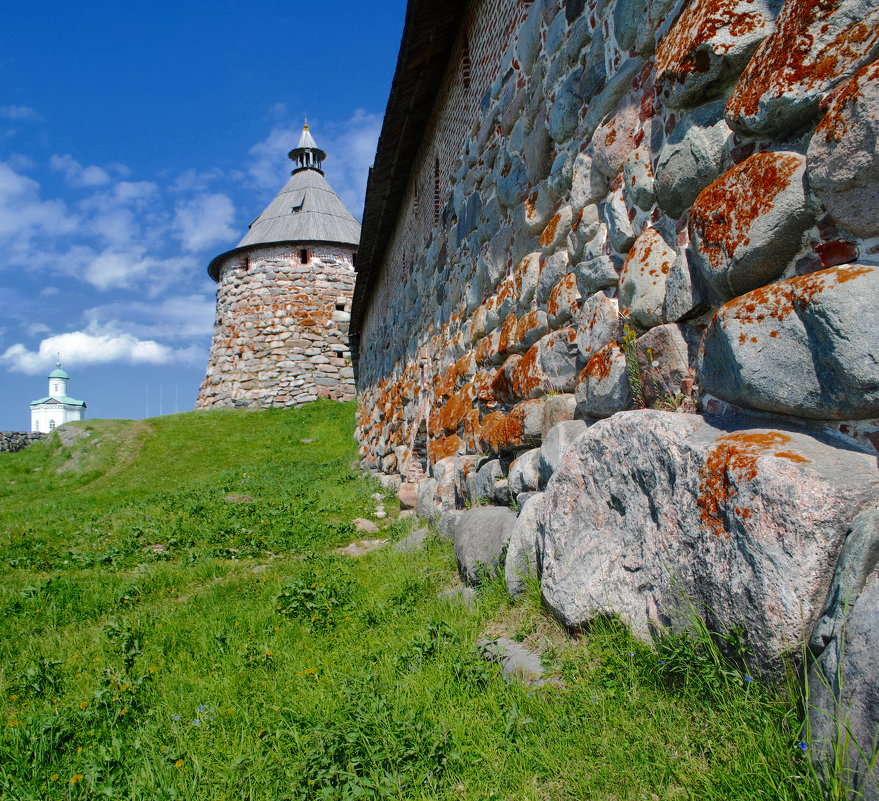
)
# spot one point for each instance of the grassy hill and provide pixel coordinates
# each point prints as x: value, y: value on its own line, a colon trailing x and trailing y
x: 176, y: 624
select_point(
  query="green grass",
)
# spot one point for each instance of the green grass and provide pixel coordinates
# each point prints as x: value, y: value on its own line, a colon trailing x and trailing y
x: 246, y: 660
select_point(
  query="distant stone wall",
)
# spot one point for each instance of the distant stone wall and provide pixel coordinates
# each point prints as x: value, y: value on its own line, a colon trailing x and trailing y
x: 691, y: 186
x: 281, y: 331
x: 12, y: 441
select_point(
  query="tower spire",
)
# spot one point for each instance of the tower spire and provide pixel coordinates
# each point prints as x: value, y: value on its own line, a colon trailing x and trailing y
x: 307, y: 155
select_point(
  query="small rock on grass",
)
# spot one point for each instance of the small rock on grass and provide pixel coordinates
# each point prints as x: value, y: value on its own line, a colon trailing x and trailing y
x: 360, y: 547
x: 515, y: 660
x: 414, y: 542
x: 462, y: 594
x: 365, y: 526
x: 238, y: 497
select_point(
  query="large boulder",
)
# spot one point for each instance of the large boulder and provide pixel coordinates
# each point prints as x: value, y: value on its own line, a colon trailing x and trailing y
x: 708, y: 45
x: 522, y: 557
x: 557, y: 440
x: 746, y: 227
x: 481, y: 536
x: 843, y: 156
x: 691, y: 157
x: 643, y: 277
x: 649, y: 511
x: 813, y: 48
x: 844, y: 680
x: 604, y: 386
x: 803, y: 346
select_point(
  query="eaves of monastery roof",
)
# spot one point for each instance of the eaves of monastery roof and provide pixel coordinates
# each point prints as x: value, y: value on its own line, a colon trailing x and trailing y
x: 65, y: 399
x: 305, y: 210
x: 429, y: 35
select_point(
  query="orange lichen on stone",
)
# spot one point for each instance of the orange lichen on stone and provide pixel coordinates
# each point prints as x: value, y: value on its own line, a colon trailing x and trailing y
x: 601, y: 362
x: 527, y: 322
x: 526, y: 374
x: 484, y: 350
x: 483, y: 383
x: 455, y: 409
x: 678, y: 53
x: 778, y: 301
x: 501, y: 431
x: 443, y: 447
x: 508, y: 333
x: 723, y: 212
x: 564, y: 293
x: 832, y: 125
x: 731, y: 462
x: 796, y: 57
x: 548, y: 235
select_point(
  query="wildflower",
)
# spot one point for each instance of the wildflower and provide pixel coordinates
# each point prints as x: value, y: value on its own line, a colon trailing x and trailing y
x: 153, y: 668
x: 13, y: 722
x: 196, y: 722
x: 83, y: 705
x: 201, y: 708
x: 14, y: 697
x: 660, y: 662
x: 269, y: 652
x: 175, y: 717
x: 803, y: 746
x: 53, y: 777
x: 76, y: 777
x: 122, y: 712
x: 178, y: 763
x: 748, y: 678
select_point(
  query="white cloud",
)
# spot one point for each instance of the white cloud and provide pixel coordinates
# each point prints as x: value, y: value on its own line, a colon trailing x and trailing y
x: 204, y: 221
x: 19, y: 113
x: 78, y: 176
x: 180, y: 317
x: 48, y: 291
x: 95, y: 347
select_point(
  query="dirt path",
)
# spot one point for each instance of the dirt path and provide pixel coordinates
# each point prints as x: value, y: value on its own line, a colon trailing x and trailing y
x: 129, y: 449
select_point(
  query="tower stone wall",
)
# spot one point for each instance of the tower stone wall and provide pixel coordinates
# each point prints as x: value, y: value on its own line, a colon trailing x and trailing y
x: 281, y: 330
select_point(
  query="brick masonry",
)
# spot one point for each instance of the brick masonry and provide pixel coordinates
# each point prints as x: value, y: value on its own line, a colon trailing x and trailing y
x: 281, y: 330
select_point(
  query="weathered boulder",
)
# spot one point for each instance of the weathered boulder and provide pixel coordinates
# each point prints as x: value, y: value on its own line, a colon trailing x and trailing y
x: 649, y: 509
x: 588, y: 184
x: 613, y: 140
x: 709, y: 44
x: 407, y: 494
x: 598, y: 323
x: 424, y: 507
x: 603, y: 386
x: 551, y: 272
x: 844, y: 680
x: 515, y: 660
x: 664, y: 365
x: 522, y: 557
x: 557, y: 440
x: 620, y: 232
x: 812, y: 49
x: 413, y: 542
x: 596, y: 273
x: 511, y: 182
x: 550, y: 365
x: 643, y: 277
x: 799, y: 346
x: 524, y: 473
x: 480, y: 539
x: 691, y: 157
x: 843, y: 156
x: 489, y: 483
x: 638, y: 181
x: 746, y: 227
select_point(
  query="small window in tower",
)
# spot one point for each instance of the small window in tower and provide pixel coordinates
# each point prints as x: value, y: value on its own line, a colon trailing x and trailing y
x: 340, y: 307
x: 51, y: 425
x: 354, y: 260
x: 303, y: 256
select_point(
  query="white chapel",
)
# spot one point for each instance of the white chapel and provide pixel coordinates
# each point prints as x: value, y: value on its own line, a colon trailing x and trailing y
x: 58, y: 408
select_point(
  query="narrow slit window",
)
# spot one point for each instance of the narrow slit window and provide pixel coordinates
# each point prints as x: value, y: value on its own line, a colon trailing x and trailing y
x: 340, y: 307
x: 465, y: 67
x: 303, y: 256
x: 436, y: 191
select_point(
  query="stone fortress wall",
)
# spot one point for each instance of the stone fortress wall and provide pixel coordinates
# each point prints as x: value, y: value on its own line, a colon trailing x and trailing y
x: 281, y: 331
x: 12, y: 441
x: 642, y: 315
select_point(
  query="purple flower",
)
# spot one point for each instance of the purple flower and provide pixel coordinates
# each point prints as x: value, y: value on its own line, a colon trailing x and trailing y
x: 748, y: 678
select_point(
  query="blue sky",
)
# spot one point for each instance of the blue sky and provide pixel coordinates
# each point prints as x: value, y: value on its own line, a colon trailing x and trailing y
x: 137, y: 141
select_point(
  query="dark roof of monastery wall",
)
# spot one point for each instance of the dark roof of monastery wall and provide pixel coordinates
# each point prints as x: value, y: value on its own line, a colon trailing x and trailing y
x: 428, y: 37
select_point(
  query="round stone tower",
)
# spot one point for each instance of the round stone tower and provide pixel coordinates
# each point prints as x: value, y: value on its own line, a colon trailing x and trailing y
x: 284, y: 298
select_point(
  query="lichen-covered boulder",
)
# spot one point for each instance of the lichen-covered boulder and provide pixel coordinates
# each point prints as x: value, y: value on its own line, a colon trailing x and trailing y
x: 643, y: 277
x: 650, y: 510
x: 746, y: 227
x: 588, y: 184
x: 664, y: 365
x: 603, y: 386
x: 709, y: 44
x: 813, y: 48
x: 550, y: 365
x: 691, y: 157
x: 638, y: 181
x: 843, y: 156
x: 805, y: 346
x: 480, y: 538
x: 598, y: 323
x: 557, y: 440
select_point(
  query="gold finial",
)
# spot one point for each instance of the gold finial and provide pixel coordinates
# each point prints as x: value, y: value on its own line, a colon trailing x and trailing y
x: 305, y: 127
